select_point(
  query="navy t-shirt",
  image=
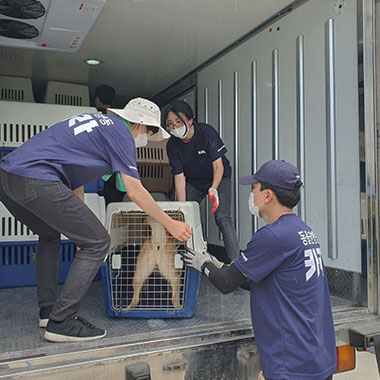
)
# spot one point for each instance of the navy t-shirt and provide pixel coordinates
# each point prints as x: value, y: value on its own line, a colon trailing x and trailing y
x: 290, y: 303
x: 76, y: 151
x: 195, y: 158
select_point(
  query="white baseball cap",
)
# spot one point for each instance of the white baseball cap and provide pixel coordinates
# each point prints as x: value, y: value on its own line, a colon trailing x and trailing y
x: 142, y: 111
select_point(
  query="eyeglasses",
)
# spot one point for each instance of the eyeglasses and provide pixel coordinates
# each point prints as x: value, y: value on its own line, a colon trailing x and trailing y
x: 176, y: 124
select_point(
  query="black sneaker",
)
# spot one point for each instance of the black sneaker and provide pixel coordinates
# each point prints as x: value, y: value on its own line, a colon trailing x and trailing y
x: 44, y: 316
x: 75, y: 329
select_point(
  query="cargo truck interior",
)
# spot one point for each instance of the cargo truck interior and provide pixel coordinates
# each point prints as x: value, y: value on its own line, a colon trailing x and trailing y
x: 278, y: 79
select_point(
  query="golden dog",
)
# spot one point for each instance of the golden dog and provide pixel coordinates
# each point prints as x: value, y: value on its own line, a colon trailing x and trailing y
x: 158, y: 250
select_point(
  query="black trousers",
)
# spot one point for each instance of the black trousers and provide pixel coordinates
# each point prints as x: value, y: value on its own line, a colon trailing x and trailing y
x: 49, y: 208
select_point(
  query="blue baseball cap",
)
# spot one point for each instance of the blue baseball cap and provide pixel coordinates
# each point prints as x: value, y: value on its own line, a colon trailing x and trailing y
x: 277, y: 173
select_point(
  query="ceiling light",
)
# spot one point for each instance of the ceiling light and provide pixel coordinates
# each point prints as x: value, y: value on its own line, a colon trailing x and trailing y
x: 93, y: 62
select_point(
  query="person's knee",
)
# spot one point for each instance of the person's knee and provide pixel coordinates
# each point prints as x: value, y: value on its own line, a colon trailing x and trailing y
x: 96, y: 248
x: 103, y: 245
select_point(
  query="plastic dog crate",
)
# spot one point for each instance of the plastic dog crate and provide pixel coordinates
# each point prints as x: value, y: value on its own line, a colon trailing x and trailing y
x: 17, y: 262
x: 144, y: 261
x: 22, y: 120
x: 70, y: 94
x: 94, y: 186
x: 16, y: 89
x: 154, y: 168
x: 18, y: 247
x: 5, y: 150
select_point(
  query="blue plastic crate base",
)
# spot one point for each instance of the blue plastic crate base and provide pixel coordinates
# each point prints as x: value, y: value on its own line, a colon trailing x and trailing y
x: 17, y: 267
x: 155, y: 296
x: 144, y: 277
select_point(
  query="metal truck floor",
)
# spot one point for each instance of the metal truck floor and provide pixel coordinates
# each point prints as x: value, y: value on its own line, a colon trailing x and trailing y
x: 20, y: 335
x: 21, y: 338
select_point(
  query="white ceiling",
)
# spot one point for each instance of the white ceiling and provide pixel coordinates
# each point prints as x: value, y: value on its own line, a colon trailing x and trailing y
x: 145, y: 45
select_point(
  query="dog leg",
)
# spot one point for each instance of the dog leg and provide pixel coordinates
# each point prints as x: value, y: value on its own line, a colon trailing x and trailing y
x: 176, y: 285
x: 168, y: 270
x: 144, y: 267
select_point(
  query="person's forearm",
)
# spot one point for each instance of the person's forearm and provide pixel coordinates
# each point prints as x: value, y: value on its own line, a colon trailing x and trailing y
x: 218, y: 175
x: 148, y: 204
x: 226, y: 279
x: 180, y: 187
x: 138, y: 194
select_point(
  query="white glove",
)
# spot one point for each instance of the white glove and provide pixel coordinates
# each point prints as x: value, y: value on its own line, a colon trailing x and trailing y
x: 196, y: 259
x: 215, y: 261
x: 214, y: 196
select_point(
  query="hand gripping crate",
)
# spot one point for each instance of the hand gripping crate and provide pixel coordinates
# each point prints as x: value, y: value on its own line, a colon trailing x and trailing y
x: 18, y: 247
x: 143, y: 276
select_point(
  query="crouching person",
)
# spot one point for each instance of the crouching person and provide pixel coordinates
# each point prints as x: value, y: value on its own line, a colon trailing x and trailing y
x: 283, y: 269
x: 36, y: 185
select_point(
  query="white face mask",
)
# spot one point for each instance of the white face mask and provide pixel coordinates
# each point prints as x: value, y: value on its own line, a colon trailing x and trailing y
x: 251, y: 204
x: 180, y: 132
x: 141, y: 140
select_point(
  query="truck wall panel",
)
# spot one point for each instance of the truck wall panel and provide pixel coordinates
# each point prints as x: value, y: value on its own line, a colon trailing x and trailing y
x: 308, y: 21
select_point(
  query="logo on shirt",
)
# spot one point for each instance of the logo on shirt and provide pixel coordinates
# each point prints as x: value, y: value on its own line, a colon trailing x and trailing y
x: 132, y: 167
x: 86, y: 122
x: 244, y: 256
x: 103, y: 119
x: 313, y: 260
x: 201, y: 152
x: 221, y: 148
x: 308, y: 237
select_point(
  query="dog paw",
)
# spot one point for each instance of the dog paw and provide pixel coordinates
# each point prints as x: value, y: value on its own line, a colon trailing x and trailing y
x: 132, y: 306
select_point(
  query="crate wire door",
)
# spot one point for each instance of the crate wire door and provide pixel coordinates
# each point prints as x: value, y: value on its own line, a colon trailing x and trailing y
x: 145, y: 255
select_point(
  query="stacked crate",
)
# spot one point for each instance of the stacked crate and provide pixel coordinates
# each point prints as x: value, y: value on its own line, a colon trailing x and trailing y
x: 18, y: 245
x: 154, y: 168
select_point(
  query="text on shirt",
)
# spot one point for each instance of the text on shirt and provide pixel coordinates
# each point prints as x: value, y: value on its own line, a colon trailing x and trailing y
x: 86, y: 122
x: 313, y: 260
x: 308, y: 237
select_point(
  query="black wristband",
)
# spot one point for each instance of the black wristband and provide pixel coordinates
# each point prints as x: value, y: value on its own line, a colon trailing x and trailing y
x: 204, y: 266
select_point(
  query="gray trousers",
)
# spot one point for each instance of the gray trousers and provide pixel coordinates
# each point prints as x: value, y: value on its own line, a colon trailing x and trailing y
x: 222, y: 215
x: 49, y: 208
